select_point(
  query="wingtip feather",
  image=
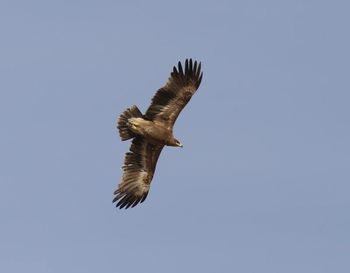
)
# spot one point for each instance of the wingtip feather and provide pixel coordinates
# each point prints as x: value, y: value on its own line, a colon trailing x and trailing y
x: 180, y: 68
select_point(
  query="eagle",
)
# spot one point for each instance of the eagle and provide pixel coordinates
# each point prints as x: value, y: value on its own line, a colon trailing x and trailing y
x: 151, y: 131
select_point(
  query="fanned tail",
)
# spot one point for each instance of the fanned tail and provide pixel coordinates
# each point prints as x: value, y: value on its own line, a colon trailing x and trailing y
x: 124, y: 131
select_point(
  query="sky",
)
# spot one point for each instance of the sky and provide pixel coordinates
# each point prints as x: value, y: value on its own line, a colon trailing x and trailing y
x: 262, y: 183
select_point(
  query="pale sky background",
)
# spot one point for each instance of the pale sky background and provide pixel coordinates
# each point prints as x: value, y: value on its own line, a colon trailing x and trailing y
x: 262, y: 183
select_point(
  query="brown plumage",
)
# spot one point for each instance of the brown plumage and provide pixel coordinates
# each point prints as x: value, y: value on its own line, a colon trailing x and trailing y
x: 152, y: 131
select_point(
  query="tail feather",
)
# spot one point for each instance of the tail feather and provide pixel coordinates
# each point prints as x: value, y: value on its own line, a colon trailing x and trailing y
x: 124, y: 131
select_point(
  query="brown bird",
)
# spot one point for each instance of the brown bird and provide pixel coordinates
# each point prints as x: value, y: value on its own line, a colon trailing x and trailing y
x: 152, y: 131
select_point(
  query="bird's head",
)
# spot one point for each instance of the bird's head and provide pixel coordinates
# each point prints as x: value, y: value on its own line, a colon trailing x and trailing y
x: 178, y: 143
x: 174, y: 142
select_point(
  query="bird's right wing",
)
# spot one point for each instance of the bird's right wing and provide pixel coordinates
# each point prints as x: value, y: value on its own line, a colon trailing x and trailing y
x: 139, y: 166
x: 169, y: 100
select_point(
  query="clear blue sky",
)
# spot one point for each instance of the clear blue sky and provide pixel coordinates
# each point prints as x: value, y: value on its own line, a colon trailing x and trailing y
x: 262, y: 183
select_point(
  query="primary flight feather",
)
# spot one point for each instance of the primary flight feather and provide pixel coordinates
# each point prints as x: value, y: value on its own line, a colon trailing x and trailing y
x: 152, y: 131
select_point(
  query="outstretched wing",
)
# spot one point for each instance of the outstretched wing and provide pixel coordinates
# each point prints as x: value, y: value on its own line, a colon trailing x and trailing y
x: 139, y: 166
x: 168, y: 102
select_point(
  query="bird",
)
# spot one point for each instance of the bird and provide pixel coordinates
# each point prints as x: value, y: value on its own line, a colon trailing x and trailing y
x: 151, y: 131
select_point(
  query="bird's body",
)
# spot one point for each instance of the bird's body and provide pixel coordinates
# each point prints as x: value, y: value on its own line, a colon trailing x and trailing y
x: 152, y: 131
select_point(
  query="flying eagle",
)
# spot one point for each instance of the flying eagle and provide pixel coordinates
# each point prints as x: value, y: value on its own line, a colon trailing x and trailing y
x: 152, y: 131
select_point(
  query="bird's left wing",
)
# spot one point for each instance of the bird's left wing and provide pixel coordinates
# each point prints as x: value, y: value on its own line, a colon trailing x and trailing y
x: 139, y: 166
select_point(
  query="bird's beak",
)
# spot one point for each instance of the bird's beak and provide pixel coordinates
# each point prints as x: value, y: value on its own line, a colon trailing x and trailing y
x: 180, y: 145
